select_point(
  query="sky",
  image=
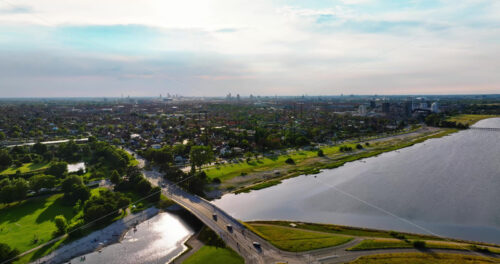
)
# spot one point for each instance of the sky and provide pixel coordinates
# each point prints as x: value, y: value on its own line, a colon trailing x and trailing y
x: 94, y: 48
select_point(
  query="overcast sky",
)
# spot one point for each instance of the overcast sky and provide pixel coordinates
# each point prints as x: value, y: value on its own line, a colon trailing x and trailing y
x: 205, y: 48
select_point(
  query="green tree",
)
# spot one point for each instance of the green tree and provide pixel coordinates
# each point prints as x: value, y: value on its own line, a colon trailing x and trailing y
x: 7, y: 254
x: 320, y: 153
x: 5, y: 159
x: 68, y: 183
x: 2, y: 135
x: 200, y: 155
x: 58, y: 169
x: 115, y: 177
x: 61, y: 224
x: 39, y: 148
x: 42, y: 181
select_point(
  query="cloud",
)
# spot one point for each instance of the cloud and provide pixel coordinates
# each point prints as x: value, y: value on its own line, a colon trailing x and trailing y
x: 16, y: 10
x: 258, y: 47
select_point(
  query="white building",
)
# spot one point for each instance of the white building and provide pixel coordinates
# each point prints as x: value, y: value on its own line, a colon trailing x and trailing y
x: 435, y: 107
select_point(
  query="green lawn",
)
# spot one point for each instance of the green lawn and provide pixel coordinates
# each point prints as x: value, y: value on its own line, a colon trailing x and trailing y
x: 342, y: 230
x: 381, y: 243
x: 228, y: 171
x: 26, y: 167
x: 295, y: 240
x: 210, y: 254
x: 422, y: 258
x: 21, y: 222
x: 469, y: 119
x: 379, y: 239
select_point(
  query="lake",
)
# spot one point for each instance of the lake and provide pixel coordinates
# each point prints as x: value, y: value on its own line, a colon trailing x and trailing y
x: 157, y: 240
x: 448, y: 186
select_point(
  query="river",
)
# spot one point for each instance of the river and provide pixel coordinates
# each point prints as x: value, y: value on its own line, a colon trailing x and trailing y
x: 447, y: 186
x: 157, y: 240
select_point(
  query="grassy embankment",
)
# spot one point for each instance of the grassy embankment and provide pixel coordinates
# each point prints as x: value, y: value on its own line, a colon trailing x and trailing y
x: 26, y: 168
x: 297, y: 240
x: 422, y: 258
x: 469, y: 119
x: 279, y: 233
x: 211, y: 254
x: 308, y: 162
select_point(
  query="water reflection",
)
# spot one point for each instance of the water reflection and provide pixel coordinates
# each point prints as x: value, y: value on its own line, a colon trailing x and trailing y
x: 158, y: 240
x: 449, y: 186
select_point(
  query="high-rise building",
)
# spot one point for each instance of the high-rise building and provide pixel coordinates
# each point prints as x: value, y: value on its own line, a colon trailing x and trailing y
x: 435, y: 107
x: 386, y: 107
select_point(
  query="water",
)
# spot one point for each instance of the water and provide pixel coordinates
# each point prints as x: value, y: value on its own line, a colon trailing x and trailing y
x: 157, y: 240
x: 76, y: 167
x: 448, y: 186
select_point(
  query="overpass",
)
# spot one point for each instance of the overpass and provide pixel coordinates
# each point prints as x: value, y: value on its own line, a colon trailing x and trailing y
x: 240, y: 238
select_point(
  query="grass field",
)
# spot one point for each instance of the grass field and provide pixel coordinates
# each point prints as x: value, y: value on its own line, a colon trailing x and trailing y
x: 27, y: 167
x: 469, y: 119
x: 21, y: 223
x: 296, y: 240
x: 422, y: 258
x: 210, y: 254
x: 378, y: 239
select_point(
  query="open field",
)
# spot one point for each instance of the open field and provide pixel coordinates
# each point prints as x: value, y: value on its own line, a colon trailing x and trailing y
x: 210, y: 254
x: 29, y: 223
x: 297, y: 240
x: 422, y: 258
x: 469, y: 119
x: 27, y: 167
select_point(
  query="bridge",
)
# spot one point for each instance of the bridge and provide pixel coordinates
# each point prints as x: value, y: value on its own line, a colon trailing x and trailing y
x: 238, y: 237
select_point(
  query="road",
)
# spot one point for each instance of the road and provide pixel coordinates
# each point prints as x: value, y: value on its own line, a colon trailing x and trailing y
x: 240, y: 239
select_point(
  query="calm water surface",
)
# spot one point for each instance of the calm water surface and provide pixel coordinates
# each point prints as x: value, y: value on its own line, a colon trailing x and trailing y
x: 158, y: 240
x: 448, y: 186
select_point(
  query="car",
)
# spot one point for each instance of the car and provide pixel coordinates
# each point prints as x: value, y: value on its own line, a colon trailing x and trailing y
x: 256, y: 245
x: 229, y: 228
x: 214, y: 216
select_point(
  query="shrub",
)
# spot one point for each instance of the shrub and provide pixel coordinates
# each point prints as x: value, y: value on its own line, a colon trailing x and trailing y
x: 419, y: 244
x: 397, y: 235
x: 320, y: 153
x: 216, y: 180
x: 289, y: 161
x: 359, y: 146
x: 61, y: 224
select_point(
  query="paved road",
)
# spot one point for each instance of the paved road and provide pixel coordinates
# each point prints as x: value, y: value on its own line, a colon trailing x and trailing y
x: 240, y: 239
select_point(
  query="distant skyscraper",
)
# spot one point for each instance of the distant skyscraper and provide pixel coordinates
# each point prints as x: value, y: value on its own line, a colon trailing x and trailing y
x: 435, y: 107
x: 386, y: 107
x: 362, y: 110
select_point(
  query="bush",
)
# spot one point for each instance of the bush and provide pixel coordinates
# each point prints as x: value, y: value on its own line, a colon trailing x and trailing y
x: 359, y: 146
x: 419, y: 244
x: 216, y: 180
x: 290, y: 161
x: 480, y: 249
x: 320, y: 153
x: 397, y: 235
x: 210, y: 238
x: 61, y: 224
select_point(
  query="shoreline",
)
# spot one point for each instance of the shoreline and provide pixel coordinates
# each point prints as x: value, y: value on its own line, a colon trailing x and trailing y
x: 96, y: 240
x: 330, y: 164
